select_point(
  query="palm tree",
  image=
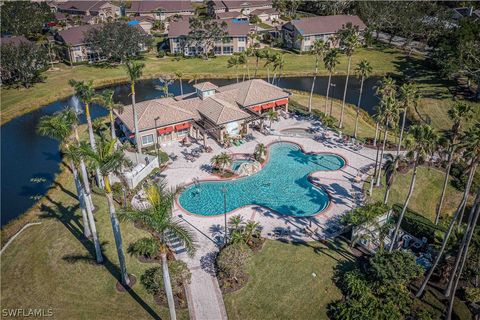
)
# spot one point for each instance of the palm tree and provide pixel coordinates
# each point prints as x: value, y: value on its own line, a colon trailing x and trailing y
x: 463, y: 253
x: 147, y: 247
x: 234, y: 62
x: 387, y: 88
x: 243, y: 61
x: 390, y: 116
x: 179, y: 76
x: 272, y: 116
x: 222, y: 160
x: 391, y: 169
x: 447, y: 234
x: 270, y: 60
x: 319, y: 49
x: 349, y: 40
x: 363, y: 70
x: 278, y: 64
x: 260, y: 151
x: 258, y: 54
x: 158, y: 220
x: 458, y: 113
x: 85, y: 91
x: 236, y: 222
x: 422, y: 141
x: 134, y: 70
x: 330, y: 60
x: 106, y: 99
x: 60, y: 126
x: 110, y: 160
x: 408, y: 98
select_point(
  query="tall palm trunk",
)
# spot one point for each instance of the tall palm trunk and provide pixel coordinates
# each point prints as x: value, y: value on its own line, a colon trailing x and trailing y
x: 248, y: 70
x: 168, y: 287
x: 86, y: 228
x: 387, y: 193
x: 401, y: 131
x: 268, y: 74
x: 473, y: 169
x: 457, y: 259
x: 358, y: 107
x: 340, y: 125
x: 313, y: 85
x: 125, y: 280
x: 135, y: 122
x: 256, y: 67
x: 375, y: 168
x: 445, y: 183
x: 474, y: 213
x: 446, y: 236
x: 405, y: 205
x: 91, y: 219
x: 328, y: 92
x: 92, y: 142
x: 181, y: 87
x: 112, y: 125
x: 83, y: 168
x: 236, y: 72
x: 377, y: 126
x: 379, y: 172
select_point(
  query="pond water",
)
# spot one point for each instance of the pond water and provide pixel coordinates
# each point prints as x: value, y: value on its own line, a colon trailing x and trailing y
x: 26, y: 155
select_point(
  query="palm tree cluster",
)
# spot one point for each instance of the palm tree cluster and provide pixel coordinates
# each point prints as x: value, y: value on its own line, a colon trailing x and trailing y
x: 243, y: 232
x: 221, y: 161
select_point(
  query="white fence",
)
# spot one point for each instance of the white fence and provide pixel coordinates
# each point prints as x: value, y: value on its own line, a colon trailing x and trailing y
x: 141, y: 171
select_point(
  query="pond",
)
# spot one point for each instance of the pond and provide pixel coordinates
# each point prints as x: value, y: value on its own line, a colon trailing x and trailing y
x: 26, y: 155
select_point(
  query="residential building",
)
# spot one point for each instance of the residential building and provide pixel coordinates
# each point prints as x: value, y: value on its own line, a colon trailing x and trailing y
x: 246, y: 7
x: 210, y: 110
x: 235, y: 41
x: 232, y: 15
x: 459, y: 13
x: 102, y: 10
x: 267, y: 15
x: 160, y: 9
x: 14, y: 41
x: 302, y: 33
x: 75, y: 48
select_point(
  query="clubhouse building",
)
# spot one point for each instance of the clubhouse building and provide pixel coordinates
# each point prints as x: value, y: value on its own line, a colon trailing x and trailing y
x: 210, y: 110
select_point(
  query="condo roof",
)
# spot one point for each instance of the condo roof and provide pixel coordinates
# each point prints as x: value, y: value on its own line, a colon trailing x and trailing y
x: 237, y: 4
x: 93, y: 6
x: 325, y: 24
x: 167, y: 6
x: 257, y: 12
x: 75, y: 35
x: 182, y: 28
x: 15, y: 41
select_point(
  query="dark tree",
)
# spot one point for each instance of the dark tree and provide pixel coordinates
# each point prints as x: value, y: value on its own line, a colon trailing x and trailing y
x: 25, y: 18
x: 117, y: 41
x: 22, y: 63
x: 204, y: 33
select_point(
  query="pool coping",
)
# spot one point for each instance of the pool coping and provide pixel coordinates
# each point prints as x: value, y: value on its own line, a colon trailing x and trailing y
x: 267, y: 158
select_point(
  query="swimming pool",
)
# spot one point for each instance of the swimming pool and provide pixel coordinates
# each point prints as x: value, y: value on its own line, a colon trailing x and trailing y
x: 238, y: 162
x: 282, y: 185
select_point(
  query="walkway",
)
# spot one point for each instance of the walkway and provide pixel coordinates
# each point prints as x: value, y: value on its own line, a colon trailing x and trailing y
x: 204, y: 296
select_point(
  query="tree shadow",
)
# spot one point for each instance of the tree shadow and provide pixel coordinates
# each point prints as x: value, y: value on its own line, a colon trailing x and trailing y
x: 66, y: 215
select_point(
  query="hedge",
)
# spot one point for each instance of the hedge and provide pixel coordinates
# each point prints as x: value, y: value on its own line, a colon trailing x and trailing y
x: 417, y: 225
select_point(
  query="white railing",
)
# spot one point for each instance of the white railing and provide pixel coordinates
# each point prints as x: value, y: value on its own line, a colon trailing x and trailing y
x: 140, y: 172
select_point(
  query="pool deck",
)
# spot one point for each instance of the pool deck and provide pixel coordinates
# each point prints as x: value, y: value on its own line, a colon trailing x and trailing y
x: 205, y: 298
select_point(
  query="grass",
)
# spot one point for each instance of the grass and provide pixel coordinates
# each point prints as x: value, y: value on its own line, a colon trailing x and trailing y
x: 50, y: 266
x: 428, y: 188
x: 16, y: 102
x: 281, y: 285
x: 366, y: 126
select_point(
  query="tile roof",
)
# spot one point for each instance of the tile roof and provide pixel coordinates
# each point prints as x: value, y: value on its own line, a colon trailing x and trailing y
x: 230, y: 15
x: 325, y: 24
x: 182, y: 28
x: 75, y: 35
x: 257, y: 12
x: 167, y: 5
x: 15, y: 41
x: 238, y: 4
x: 226, y: 105
x: 92, y: 6
x: 204, y: 86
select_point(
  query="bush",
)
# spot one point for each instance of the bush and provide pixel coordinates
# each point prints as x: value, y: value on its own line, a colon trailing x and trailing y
x: 147, y: 247
x: 396, y: 267
x: 161, y: 54
x: 117, y: 190
x: 231, y: 261
x: 419, y: 226
x: 152, y: 279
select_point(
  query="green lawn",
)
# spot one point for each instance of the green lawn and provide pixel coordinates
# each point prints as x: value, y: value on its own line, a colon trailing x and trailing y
x: 19, y: 101
x: 281, y: 285
x: 49, y: 266
x: 428, y: 188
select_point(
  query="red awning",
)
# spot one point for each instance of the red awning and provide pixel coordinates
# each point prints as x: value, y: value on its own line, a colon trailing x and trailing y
x: 182, y: 126
x: 256, y: 108
x: 268, y: 105
x: 132, y: 135
x: 281, y: 102
x: 165, y: 130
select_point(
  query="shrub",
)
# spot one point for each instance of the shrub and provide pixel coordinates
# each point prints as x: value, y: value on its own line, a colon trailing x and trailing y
x: 152, y: 279
x: 147, y: 247
x: 472, y: 294
x: 232, y: 259
x: 117, y: 190
x: 161, y: 54
x: 396, y: 267
x: 419, y: 226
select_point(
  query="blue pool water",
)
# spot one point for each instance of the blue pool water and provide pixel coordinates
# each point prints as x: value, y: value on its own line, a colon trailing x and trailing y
x: 237, y: 163
x: 282, y: 185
